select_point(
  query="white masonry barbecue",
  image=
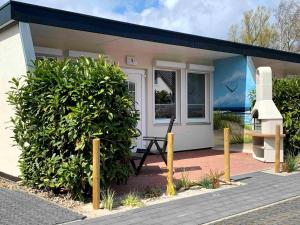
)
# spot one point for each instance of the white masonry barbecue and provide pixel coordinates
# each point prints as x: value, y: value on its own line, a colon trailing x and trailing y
x: 265, y: 118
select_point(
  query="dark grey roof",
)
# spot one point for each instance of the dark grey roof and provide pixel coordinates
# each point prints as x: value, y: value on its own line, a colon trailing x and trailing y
x: 28, y: 13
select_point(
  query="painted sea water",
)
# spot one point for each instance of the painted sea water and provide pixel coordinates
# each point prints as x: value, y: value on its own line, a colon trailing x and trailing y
x: 244, y: 113
x: 246, y: 117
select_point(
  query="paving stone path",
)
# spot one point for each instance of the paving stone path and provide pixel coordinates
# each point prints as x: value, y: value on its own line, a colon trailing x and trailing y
x: 284, y: 213
x: 20, y: 208
x: 261, y: 189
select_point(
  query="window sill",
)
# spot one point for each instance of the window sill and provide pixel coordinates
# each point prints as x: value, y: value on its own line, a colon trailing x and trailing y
x: 199, y: 123
x: 165, y: 123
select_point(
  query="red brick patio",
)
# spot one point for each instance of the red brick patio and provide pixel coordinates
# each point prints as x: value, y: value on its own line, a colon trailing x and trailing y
x: 196, y: 162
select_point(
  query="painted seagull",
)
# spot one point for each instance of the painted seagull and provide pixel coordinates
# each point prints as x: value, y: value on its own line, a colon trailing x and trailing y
x: 231, y: 87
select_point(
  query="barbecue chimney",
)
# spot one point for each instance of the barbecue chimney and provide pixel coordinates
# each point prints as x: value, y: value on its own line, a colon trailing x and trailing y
x: 265, y: 118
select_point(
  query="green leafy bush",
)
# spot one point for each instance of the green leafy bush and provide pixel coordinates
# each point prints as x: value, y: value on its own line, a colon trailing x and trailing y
x: 286, y: 95
x: 59, y: 106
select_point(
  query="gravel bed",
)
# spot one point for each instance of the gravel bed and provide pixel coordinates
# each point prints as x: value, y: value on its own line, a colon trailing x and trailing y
x: 63, y: 200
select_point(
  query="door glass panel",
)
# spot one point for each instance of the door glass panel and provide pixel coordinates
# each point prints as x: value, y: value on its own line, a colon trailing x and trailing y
x: 131, y: 90
x: 134, y: 90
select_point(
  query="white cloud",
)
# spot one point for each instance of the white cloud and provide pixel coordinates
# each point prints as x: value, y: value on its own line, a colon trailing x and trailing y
x: 201, y: 17
x: 236, y: 76
x: 230, y: 99
x: 169, y: 3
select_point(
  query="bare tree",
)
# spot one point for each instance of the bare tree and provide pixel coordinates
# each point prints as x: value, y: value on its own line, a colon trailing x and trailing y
x: 234, y: 33
x: 255, y: 29
x: 288, y: 25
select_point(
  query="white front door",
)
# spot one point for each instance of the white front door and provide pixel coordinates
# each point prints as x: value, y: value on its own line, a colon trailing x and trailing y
x: 134, y: 83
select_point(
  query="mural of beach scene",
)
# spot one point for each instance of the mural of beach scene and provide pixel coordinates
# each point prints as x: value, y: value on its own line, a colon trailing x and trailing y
x: 234, y: 78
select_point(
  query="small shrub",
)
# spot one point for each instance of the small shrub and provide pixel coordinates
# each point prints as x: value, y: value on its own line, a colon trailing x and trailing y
x: 214, y: 177
x: 252, y: 97
x: 205, y: 183
x: 240, y: 139
x: 108, y: 199
x: 152, y: 192
x: 132, y: 199
x: 185, y: 182
x: 291, y: 163
x: 286, y: 96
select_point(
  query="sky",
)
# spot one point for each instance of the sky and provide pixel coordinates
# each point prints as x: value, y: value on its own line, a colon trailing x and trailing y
x: 211, y: 18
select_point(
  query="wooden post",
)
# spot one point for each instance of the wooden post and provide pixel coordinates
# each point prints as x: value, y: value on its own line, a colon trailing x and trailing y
x: 170, y: 185
x: 96, y: 173
x: 226, y: 156
x: 277, y: 149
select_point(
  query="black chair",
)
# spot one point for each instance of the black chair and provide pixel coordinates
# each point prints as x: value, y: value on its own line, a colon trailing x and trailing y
x: 142, y: 153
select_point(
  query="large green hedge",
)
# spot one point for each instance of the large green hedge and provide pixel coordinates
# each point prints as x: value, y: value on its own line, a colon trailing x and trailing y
x: 60, y: 105
x: 286, y: 95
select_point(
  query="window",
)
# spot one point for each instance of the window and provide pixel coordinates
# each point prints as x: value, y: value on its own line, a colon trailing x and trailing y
x: 164, y: 94
x: 196, y: 96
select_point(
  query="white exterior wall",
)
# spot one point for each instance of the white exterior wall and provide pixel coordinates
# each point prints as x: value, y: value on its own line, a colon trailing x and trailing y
x: 187, y: 136
x: 12, y: 63
x: 16, y: 54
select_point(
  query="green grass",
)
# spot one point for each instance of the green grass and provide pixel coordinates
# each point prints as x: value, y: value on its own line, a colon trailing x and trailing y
x: 247, y: 127
x: 132, y: 199
x: 108, y: 199
x: 185, y: 182
x: 205, y: 183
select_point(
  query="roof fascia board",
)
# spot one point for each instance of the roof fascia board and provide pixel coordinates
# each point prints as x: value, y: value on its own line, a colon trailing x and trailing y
x: 53, y: 17
x: 5, y: 15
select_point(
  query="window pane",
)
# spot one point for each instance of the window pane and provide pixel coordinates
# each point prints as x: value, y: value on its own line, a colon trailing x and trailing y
x: 196, y: 95
x: 131, y: 90
x: 165, y: 94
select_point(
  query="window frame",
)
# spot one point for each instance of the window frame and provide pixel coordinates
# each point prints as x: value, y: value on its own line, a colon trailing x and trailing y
x: 205, y: 119
x: 177, y: 102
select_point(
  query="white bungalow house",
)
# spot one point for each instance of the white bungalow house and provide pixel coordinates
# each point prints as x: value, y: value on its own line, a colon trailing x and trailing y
x: 167, y: 71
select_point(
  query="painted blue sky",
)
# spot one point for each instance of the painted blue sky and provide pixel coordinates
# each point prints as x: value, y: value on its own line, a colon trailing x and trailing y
x: 201, y: 17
